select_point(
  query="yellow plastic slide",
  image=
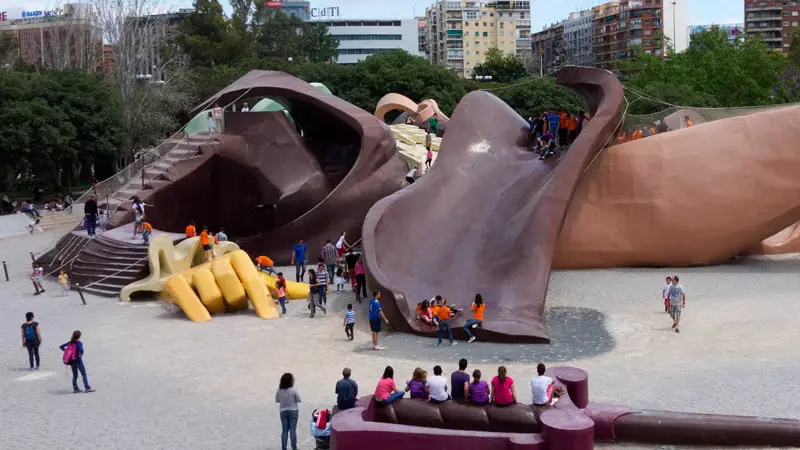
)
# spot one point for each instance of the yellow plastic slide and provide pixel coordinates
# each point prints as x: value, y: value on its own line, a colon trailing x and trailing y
x: 226, y: 284
x: 294, y: 290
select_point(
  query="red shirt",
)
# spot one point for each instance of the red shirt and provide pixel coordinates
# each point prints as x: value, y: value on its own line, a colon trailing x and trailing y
x: 384, y: 389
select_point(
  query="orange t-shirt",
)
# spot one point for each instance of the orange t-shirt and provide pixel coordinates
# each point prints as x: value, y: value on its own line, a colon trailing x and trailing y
x: 478, y: 311
x: 191, y: 231
x: 148, y: 227
x: 652, y: 130
x: 264, y: 261
x: 204, y: 238
x: 435, y: 310
x: 443, y: 313
x: 562, y: 120
x: 689, y: 123
x: 573, y: 124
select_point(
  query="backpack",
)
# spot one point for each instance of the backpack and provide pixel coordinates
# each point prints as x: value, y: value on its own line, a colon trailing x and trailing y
x: 30, y: 332
x: 70, y: 353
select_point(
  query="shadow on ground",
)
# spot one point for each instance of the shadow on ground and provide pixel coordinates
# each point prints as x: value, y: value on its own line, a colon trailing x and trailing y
x: 575, y: 333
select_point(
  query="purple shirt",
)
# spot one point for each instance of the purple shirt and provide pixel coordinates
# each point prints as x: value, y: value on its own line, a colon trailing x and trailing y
x: 416, y: 389
x: 479, y: 392
x: 457, y: 380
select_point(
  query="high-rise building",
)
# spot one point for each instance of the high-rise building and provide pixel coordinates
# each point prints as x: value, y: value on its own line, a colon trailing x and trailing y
x: 298, y: 8
x: 578, y: 32
x: 359, y: 39
x: 422, y: 37
x: 152, y: 32
x: 771, y: 21
x: 733, y: 30
x: 548, y: 49
x: 609, y: 35
x: 62, y: 37
x: 460, y: 32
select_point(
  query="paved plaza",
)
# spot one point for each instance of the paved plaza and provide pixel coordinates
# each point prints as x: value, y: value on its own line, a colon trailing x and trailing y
x: 164, y: 382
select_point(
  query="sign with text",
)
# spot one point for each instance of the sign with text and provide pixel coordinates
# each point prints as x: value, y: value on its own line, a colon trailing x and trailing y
x: 325, y: 12
x: 274, y: 3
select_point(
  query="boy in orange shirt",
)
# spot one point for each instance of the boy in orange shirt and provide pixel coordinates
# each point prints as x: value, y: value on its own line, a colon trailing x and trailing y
x: 477, y: 316
x: 265, y: 264
x: 147, y: 231
x: 205, y: 241
x: 191, y: 231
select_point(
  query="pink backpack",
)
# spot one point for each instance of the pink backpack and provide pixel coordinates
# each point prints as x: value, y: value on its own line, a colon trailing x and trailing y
x: 70, y: 353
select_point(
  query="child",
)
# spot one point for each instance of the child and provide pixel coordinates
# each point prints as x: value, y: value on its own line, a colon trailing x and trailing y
x: 417, y: 386
x: 34, y: 227
x: 349, y: 321
x: 102, y: 220
x: 435, y: 309
x: 74, y: 358
x: 324, y: 281
x: 265, y: 264
x: 147, y: 231
x: 339, y: 280
x: 63, y: 280
x: 206, y: 243
x: 280, y: 286
x: 429, y: 155
x: 36, y: 277
x: 139, y: 219
x: 211, y: 124
x: 191, y: 231
x: 665, y: 294
x: 221, y: 236
x: 425, y: 313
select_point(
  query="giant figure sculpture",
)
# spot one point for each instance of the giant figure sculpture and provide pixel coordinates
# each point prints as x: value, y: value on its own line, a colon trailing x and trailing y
x: 271, y: 183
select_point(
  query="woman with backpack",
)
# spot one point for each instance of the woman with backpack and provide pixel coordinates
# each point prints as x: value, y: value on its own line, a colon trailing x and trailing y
x: 31, y: 338
x: 73, y: 357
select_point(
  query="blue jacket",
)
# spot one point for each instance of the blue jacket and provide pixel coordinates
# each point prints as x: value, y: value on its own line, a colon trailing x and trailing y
x: 79, y: 349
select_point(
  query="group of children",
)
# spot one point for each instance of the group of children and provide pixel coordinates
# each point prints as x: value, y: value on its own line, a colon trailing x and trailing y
x: 207, y: 240
x: 37, y: 275
x: 437, y: 312
x: 550, y: 130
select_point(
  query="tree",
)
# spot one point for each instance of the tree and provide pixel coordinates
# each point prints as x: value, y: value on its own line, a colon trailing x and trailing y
x: 9, y: 50
x: 278, y: 35
x: 208, y: 38
x: 502, y: 68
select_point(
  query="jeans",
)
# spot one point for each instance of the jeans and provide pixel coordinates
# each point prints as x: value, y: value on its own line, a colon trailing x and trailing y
x: 445, y: 325
x: 391, y: 399
x: 289, y: 425
x: 146, y: 236
x: 33, y: 352
x: 323, y: 294
x: 91, y: 224
x: 65, y: 290
x: 301, y: 271
x: 78, y: 366
x: 331, y: 268
x: 348, y: 330
x: 469, y: 325
x: 282, y: 302
x: 314, y: 303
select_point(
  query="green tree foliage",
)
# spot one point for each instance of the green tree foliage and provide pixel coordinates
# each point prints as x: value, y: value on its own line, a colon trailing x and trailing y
x: 208, y: 37
x: 713, y: 71
x: 534, y: 95
x: 56, y: 127
x: 278, y: 35
x: 502, y: 68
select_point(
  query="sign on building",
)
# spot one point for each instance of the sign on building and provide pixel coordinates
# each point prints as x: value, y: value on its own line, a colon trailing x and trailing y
x: 325, y: 12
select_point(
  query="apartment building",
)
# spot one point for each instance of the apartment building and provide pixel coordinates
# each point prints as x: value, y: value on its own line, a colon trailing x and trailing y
x: 578, y: 33
x: 548, y: 49
x: 772, y: 21
x: 359, y: 39
x: 422, y: 36
x: 460, y: 32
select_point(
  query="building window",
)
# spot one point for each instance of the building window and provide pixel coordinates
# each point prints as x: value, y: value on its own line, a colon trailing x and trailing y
x: 786, y: 24
x: 367, y: 37
x: 794, y: 24
x: 485, y: 34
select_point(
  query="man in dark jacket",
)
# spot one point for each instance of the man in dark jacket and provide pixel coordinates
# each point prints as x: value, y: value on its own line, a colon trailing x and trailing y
x: 90, y: 209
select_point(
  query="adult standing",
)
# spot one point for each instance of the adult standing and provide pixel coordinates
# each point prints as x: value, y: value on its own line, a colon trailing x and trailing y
x: 314, y: 301
x: 677, y: 301
x: 361, y: 280
x: 218, y: 118
x: 346, y: 391
x: 31, y: 339
x: 459, y: 381
x: 90, y: 210
x: 329, y: 256
x: 288, y: 398
x: 444, y: 323
x: 375, y: 316
x: 351, y: 259
x: 299, y: 252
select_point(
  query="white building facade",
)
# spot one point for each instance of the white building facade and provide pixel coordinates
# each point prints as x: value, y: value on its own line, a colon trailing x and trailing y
x: 675, y: 23
x: 359, y: 39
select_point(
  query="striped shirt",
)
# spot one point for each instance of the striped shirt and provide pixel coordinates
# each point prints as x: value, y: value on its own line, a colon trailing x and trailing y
x: 322, y: 276
x: 350, y: 316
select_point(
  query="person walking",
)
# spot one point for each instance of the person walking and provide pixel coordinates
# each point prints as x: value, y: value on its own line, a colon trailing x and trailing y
x: 288, y: 399
x: 73, y: 356
x: 329, y: 256
x: 313, y: 294
x: 299, y: 260
x: 346, y: 391
x: 324, y: 280
x: 375, y: 316
x: 349, y: 321
x: 31, y: 339
x: 361, y: 281
x: 351, y: 259
x: 665, y: 293
x: 677, y: 301
x: 90, y: 211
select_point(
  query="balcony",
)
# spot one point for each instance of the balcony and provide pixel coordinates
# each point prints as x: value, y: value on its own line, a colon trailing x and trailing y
x: 763, y: 8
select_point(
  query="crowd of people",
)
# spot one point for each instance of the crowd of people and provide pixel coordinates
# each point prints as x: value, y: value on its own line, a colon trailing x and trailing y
x: 552, y: 130
x: 500, y: 391
x: 628, y: 134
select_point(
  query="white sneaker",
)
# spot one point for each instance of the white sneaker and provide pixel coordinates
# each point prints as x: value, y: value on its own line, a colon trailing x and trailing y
x: 553, y: 401
x: 472, y: 339
x: 474, y: 325
x: 453, y: 343
x: 378, y: 347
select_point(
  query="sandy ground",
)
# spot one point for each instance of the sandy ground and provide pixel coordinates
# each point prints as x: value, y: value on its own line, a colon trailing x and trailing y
x: 166, y: 383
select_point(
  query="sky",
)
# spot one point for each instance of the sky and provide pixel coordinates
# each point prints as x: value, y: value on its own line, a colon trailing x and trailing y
x: 543, y: 12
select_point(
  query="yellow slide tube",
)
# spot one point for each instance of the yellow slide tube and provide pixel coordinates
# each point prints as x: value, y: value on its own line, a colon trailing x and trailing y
x: 177, y: 291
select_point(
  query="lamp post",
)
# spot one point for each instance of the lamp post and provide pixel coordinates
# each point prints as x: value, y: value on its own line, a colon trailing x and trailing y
x: 674, y: 33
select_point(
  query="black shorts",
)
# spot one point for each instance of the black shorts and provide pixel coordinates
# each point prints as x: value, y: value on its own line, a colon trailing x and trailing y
x: 375, y: 325
x: 207, y: 247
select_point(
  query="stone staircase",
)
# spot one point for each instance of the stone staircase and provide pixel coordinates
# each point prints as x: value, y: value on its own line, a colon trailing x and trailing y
x: 58, y: 220
x: 104, y: 266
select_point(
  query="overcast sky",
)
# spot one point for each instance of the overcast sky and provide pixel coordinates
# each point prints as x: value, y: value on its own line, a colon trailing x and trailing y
x: 543, y: 12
